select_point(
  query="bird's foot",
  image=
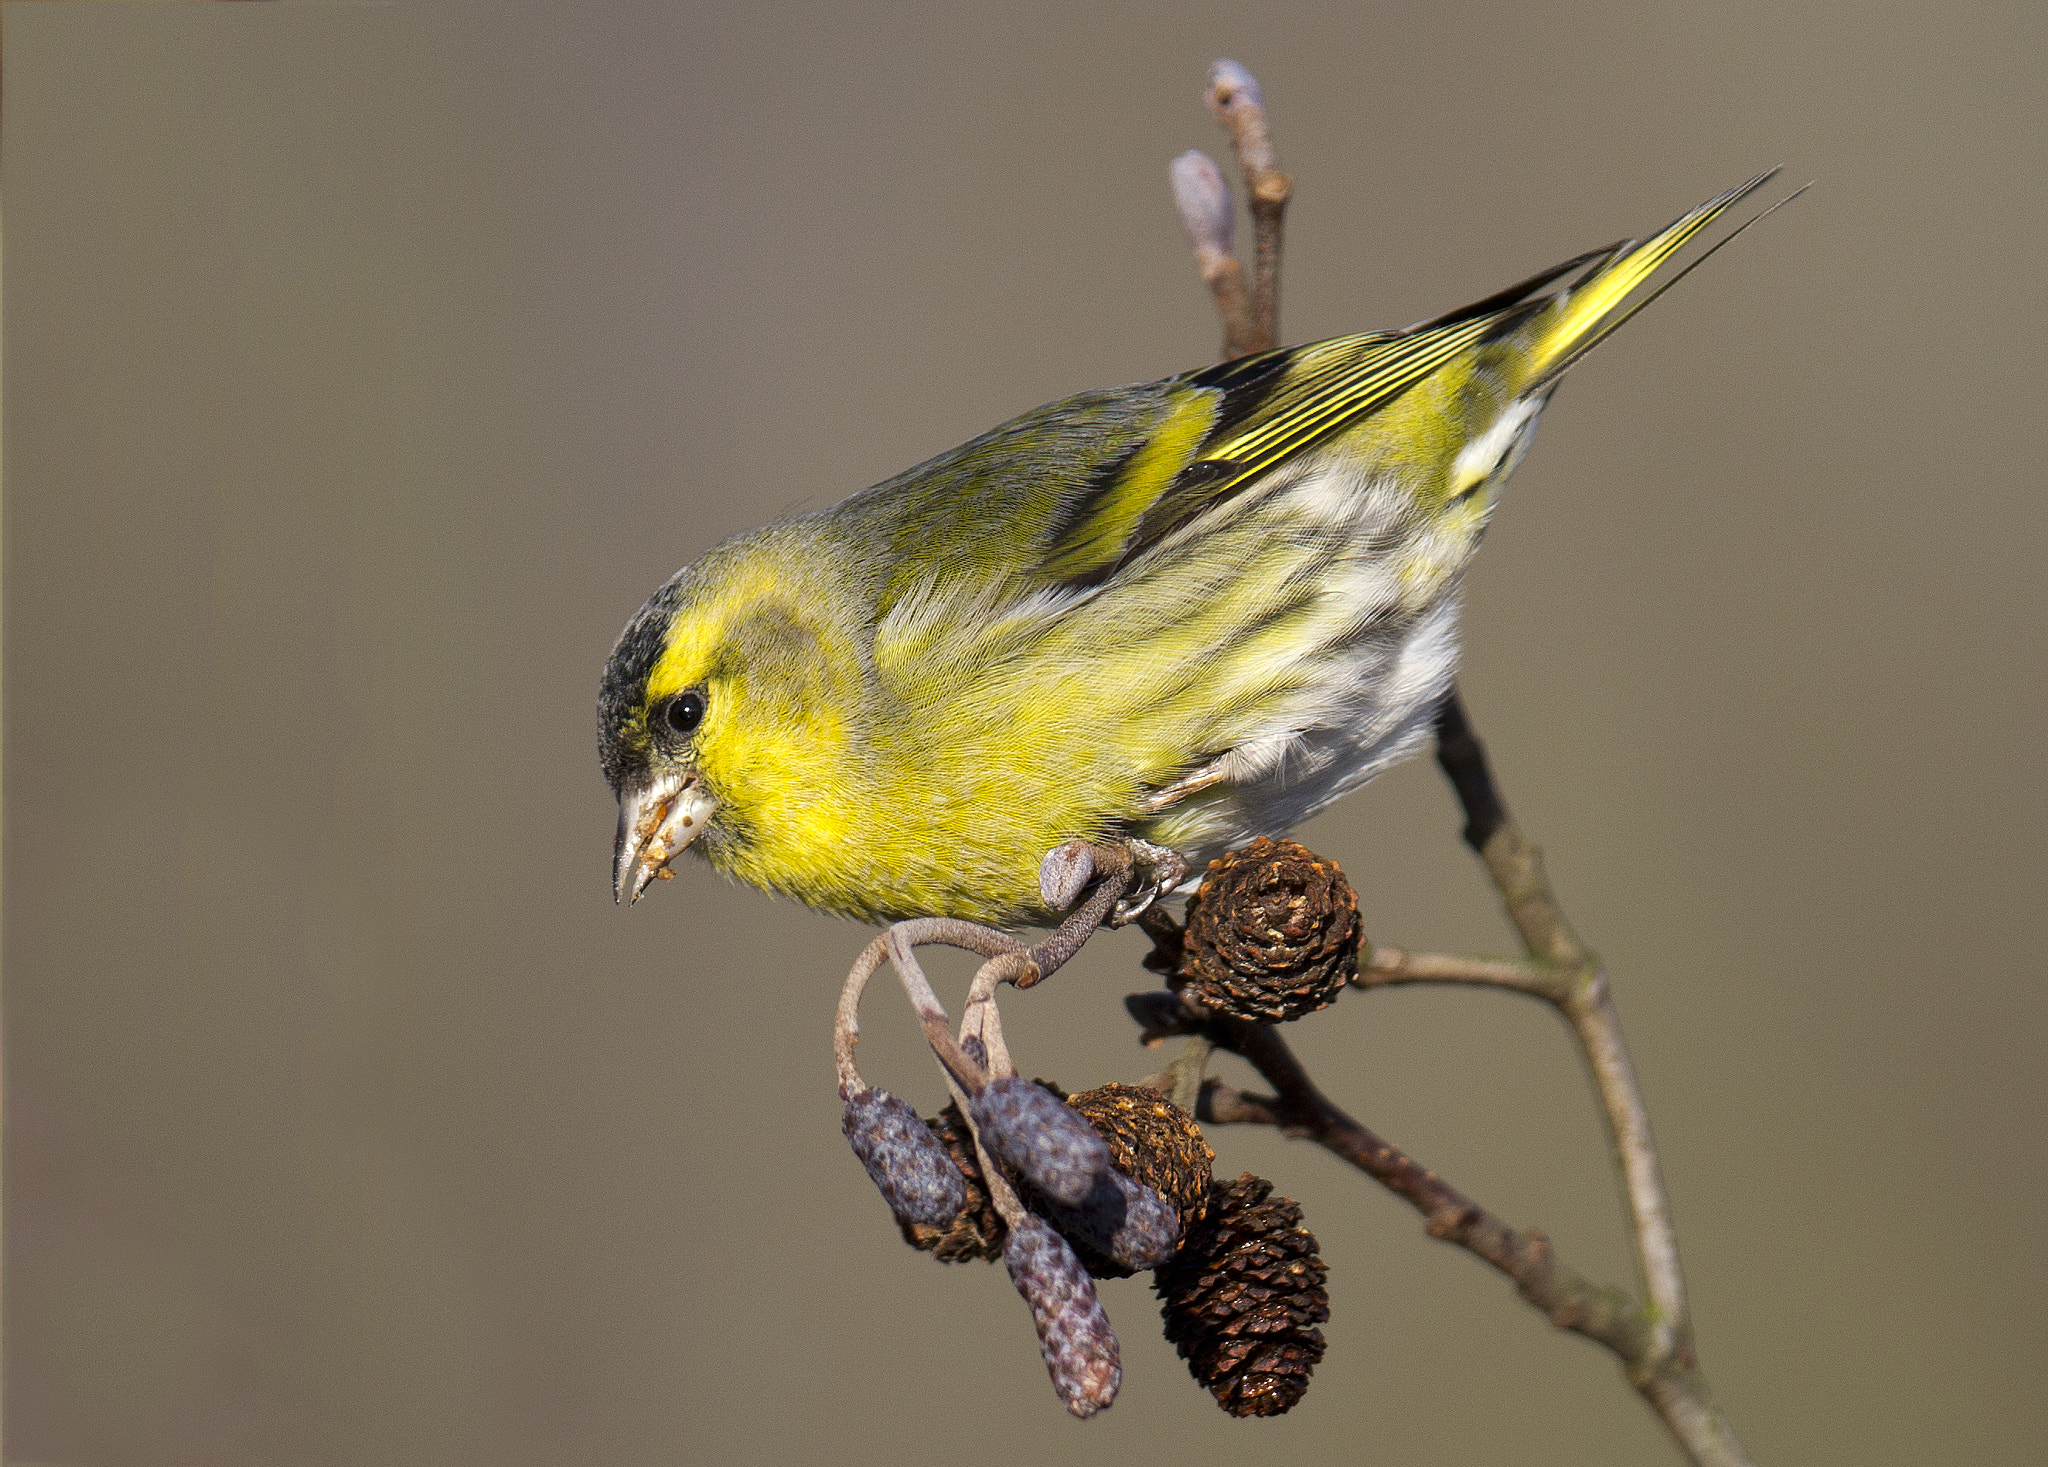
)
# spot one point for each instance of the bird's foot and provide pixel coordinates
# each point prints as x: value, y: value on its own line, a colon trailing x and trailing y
x: 1148, y: 871
x: 1156, y: 871
x: 1128, y: 875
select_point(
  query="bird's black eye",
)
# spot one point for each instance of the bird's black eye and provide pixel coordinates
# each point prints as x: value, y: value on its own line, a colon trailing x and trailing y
x: 684, y: 712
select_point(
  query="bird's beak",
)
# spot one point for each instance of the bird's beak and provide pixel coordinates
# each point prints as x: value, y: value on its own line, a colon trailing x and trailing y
x: 659, y: 814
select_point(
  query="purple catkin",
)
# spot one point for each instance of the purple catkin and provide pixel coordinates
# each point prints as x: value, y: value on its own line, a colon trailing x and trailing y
x: 1074, y: 1336
x: 908, y: 1164
x: 1040, y: 1137
x: 1125, y: 1221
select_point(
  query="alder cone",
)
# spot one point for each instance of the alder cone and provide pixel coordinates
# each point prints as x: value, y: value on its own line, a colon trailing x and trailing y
x: 1243, y: 1298
x: 1154, y: 1141
x: 1272, y: 934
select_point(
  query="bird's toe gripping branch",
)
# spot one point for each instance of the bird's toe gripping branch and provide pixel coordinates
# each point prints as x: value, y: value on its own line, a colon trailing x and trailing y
x: 1157, y: 871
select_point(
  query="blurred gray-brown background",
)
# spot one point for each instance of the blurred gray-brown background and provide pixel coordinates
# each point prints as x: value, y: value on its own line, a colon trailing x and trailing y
x: 365, y: 367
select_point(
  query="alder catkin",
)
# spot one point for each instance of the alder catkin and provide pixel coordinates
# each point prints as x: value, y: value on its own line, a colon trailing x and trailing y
x: 1038, y: 1136
x: 1074, y: 1336
x: 908, y: 1164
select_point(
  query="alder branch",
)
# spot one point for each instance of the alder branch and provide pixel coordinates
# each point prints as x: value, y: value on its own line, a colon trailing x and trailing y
x: 1391, y: 967
x: 1583, y: 996
x: 1570, y: 1300
x: 1653, y: 1340
x: 1666, y: 1370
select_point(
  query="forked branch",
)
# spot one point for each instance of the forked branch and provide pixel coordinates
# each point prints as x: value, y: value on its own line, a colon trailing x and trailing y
x: 1653, y: 1339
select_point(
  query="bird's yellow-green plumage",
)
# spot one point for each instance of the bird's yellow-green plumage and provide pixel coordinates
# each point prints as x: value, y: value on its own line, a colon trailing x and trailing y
x: 1189, y: 611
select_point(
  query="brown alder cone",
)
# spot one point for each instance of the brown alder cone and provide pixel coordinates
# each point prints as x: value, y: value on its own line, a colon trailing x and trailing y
x: 1154, y: 1141
x: 1243, y: 1298
x: 1151, y: 1142
x: 1272, y: 934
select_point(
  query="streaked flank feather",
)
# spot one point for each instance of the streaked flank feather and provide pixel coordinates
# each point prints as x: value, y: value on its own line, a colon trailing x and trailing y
x: 1191, y: 611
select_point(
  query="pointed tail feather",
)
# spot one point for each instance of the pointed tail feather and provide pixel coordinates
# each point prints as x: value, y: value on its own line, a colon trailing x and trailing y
x: 1586, y: 314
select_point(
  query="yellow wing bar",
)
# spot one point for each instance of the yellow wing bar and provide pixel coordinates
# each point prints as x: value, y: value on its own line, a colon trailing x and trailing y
x: 1329, y: 385
x: 1325, y: 386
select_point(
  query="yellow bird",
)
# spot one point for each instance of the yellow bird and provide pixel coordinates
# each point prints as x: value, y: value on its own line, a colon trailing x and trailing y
x: 1187, y: 613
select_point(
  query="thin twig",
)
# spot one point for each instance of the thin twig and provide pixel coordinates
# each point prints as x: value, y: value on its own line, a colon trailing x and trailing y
x: 1235, y: 98
x: 846, y: 1024
x: 1185, y: 1076
x: 1391, y: 967
x: 938, y: 1029
x: 1582, y: 995
x: 896, y: 944
x: 1006, y: 961
x: 1566, y: 1297
x: 981, y: 1019
x: 1571, y: 1301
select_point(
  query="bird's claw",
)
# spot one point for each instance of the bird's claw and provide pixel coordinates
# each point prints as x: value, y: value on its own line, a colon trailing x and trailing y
x: 1155, y: 870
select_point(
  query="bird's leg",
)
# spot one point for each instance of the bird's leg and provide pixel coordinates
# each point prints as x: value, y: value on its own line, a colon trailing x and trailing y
x: 1066, y: 870
x: 1207, y: 777
x: 1128, y: 875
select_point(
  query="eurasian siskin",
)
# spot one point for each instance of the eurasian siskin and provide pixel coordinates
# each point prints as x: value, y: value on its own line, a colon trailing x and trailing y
x: 1189, y: 612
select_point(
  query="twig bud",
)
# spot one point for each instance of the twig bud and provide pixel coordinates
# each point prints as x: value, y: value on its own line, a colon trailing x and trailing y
x: 1038, y: 1136
x: 1235, y: 98
x: 907, y: 1163
x: 1231, y: 84
x: 1074, y: 1336
x: 1240, y: 106
x: 1203, y: 199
